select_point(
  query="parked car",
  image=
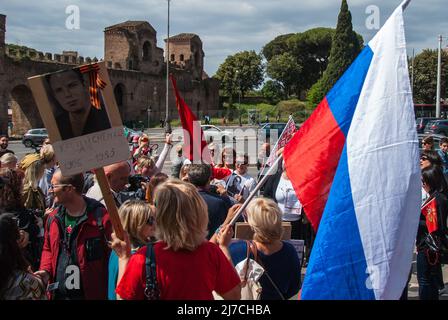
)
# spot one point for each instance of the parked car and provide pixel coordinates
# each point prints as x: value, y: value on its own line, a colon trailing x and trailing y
x: 213, y: 133
x: 437, y: 127
x: 422, y: 122
x: 436, y: 138
x: 34, y: 137
x: 267, y: 129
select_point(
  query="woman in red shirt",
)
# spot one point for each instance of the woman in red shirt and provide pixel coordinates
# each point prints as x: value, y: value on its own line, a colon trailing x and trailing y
x: 188, y: 267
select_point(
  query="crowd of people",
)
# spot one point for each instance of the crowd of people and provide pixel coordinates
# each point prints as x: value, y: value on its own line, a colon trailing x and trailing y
x: 57, y: 240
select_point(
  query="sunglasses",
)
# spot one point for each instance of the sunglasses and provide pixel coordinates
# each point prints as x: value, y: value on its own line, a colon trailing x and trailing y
x: 424, y: 158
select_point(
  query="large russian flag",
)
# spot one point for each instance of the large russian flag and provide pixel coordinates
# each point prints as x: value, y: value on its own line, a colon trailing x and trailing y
x: 359, y: 178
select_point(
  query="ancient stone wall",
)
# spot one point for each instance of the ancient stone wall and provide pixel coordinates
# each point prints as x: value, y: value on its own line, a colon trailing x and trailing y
x: 135, y: 90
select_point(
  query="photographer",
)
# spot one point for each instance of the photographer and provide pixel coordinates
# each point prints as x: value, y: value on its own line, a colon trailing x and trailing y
x: 135, y: 190
x: 200, y: 175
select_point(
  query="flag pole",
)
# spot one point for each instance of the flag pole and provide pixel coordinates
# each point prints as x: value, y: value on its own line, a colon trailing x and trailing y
x: 405, y: 4
x: 258, y: 186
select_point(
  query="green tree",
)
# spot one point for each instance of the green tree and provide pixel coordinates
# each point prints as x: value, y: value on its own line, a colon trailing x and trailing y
x: 425, y: 76
x: 273, y: 91
x: 241, y: 72
x: 277, y: 46
x: 286, y: 70
x: 310, y: 51
x: 344, y: 49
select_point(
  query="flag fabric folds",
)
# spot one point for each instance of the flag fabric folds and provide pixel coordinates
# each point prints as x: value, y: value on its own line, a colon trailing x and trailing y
x: 194, y: 150
x: 354, y: 165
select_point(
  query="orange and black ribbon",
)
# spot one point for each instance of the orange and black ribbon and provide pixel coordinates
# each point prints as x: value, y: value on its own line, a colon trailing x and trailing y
x: 96, y: 83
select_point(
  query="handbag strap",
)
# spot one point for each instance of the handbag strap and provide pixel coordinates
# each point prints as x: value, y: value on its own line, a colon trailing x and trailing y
x: 246, y: 264
x: 254, y: 250
x: 151, y: 286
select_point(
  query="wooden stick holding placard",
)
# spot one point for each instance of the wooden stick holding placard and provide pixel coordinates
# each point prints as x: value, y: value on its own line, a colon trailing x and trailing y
x: 110, y: 202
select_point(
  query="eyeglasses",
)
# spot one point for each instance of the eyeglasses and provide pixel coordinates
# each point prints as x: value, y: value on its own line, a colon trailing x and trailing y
x: 52, y: 186
x: 427, y: 143
x: 150, y: 220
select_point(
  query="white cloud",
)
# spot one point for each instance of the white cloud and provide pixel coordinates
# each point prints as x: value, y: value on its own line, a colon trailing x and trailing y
x: 225, y: 26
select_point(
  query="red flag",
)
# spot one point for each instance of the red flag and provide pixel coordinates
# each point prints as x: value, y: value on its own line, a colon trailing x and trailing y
x: 195, y: 151
x: 429, y: 210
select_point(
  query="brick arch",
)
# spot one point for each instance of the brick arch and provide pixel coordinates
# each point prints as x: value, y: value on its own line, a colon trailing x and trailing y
x: 25, y: 114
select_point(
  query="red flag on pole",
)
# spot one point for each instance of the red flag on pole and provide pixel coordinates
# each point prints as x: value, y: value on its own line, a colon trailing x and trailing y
x: 195, y: 146
x: 429, y: 210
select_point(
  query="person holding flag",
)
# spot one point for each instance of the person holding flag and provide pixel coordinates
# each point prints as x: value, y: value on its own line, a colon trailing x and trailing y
x: 432, y: 229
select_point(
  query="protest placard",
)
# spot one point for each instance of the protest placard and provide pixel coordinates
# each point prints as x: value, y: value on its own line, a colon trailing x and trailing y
x: 78, y: 109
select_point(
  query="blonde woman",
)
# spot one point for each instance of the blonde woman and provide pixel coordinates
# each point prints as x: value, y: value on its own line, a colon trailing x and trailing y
x: 48, y: 158
x: 145, y: 150
x: 8, y: 160
x: 187, y: 266
x: 33, y: 197
x: 145, y: 166
x: 138, y: 220
x: 281, y: 279
x: 183, y: 175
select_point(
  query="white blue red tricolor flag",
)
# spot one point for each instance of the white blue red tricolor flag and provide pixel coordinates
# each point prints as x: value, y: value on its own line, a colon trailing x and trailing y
x: 354, y: 166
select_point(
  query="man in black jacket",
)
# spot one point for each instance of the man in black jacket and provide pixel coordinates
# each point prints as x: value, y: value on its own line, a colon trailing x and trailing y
x: 218, y: 206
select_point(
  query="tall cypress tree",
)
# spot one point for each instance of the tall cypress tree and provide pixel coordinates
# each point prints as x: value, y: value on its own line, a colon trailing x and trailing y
x: 344, y: 49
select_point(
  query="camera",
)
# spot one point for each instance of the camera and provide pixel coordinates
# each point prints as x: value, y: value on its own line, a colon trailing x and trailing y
x: 135, y: 182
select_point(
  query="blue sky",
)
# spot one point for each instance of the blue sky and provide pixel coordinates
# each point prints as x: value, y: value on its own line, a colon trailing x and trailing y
x: 225, y: 26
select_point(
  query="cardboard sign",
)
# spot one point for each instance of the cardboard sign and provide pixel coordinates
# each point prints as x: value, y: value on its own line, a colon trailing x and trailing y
x: 78, y: 109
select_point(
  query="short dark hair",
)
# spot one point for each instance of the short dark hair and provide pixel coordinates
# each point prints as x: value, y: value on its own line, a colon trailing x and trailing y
x: 428, y: 140
x: 3, y: 135
x: 199, y: 174
x: 76, y: 180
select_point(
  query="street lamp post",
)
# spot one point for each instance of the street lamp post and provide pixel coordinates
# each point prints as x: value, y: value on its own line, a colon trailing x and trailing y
x: 149, y: 115
x: 439, y: 74
x: 167, y: 118
x: 239, y: 95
